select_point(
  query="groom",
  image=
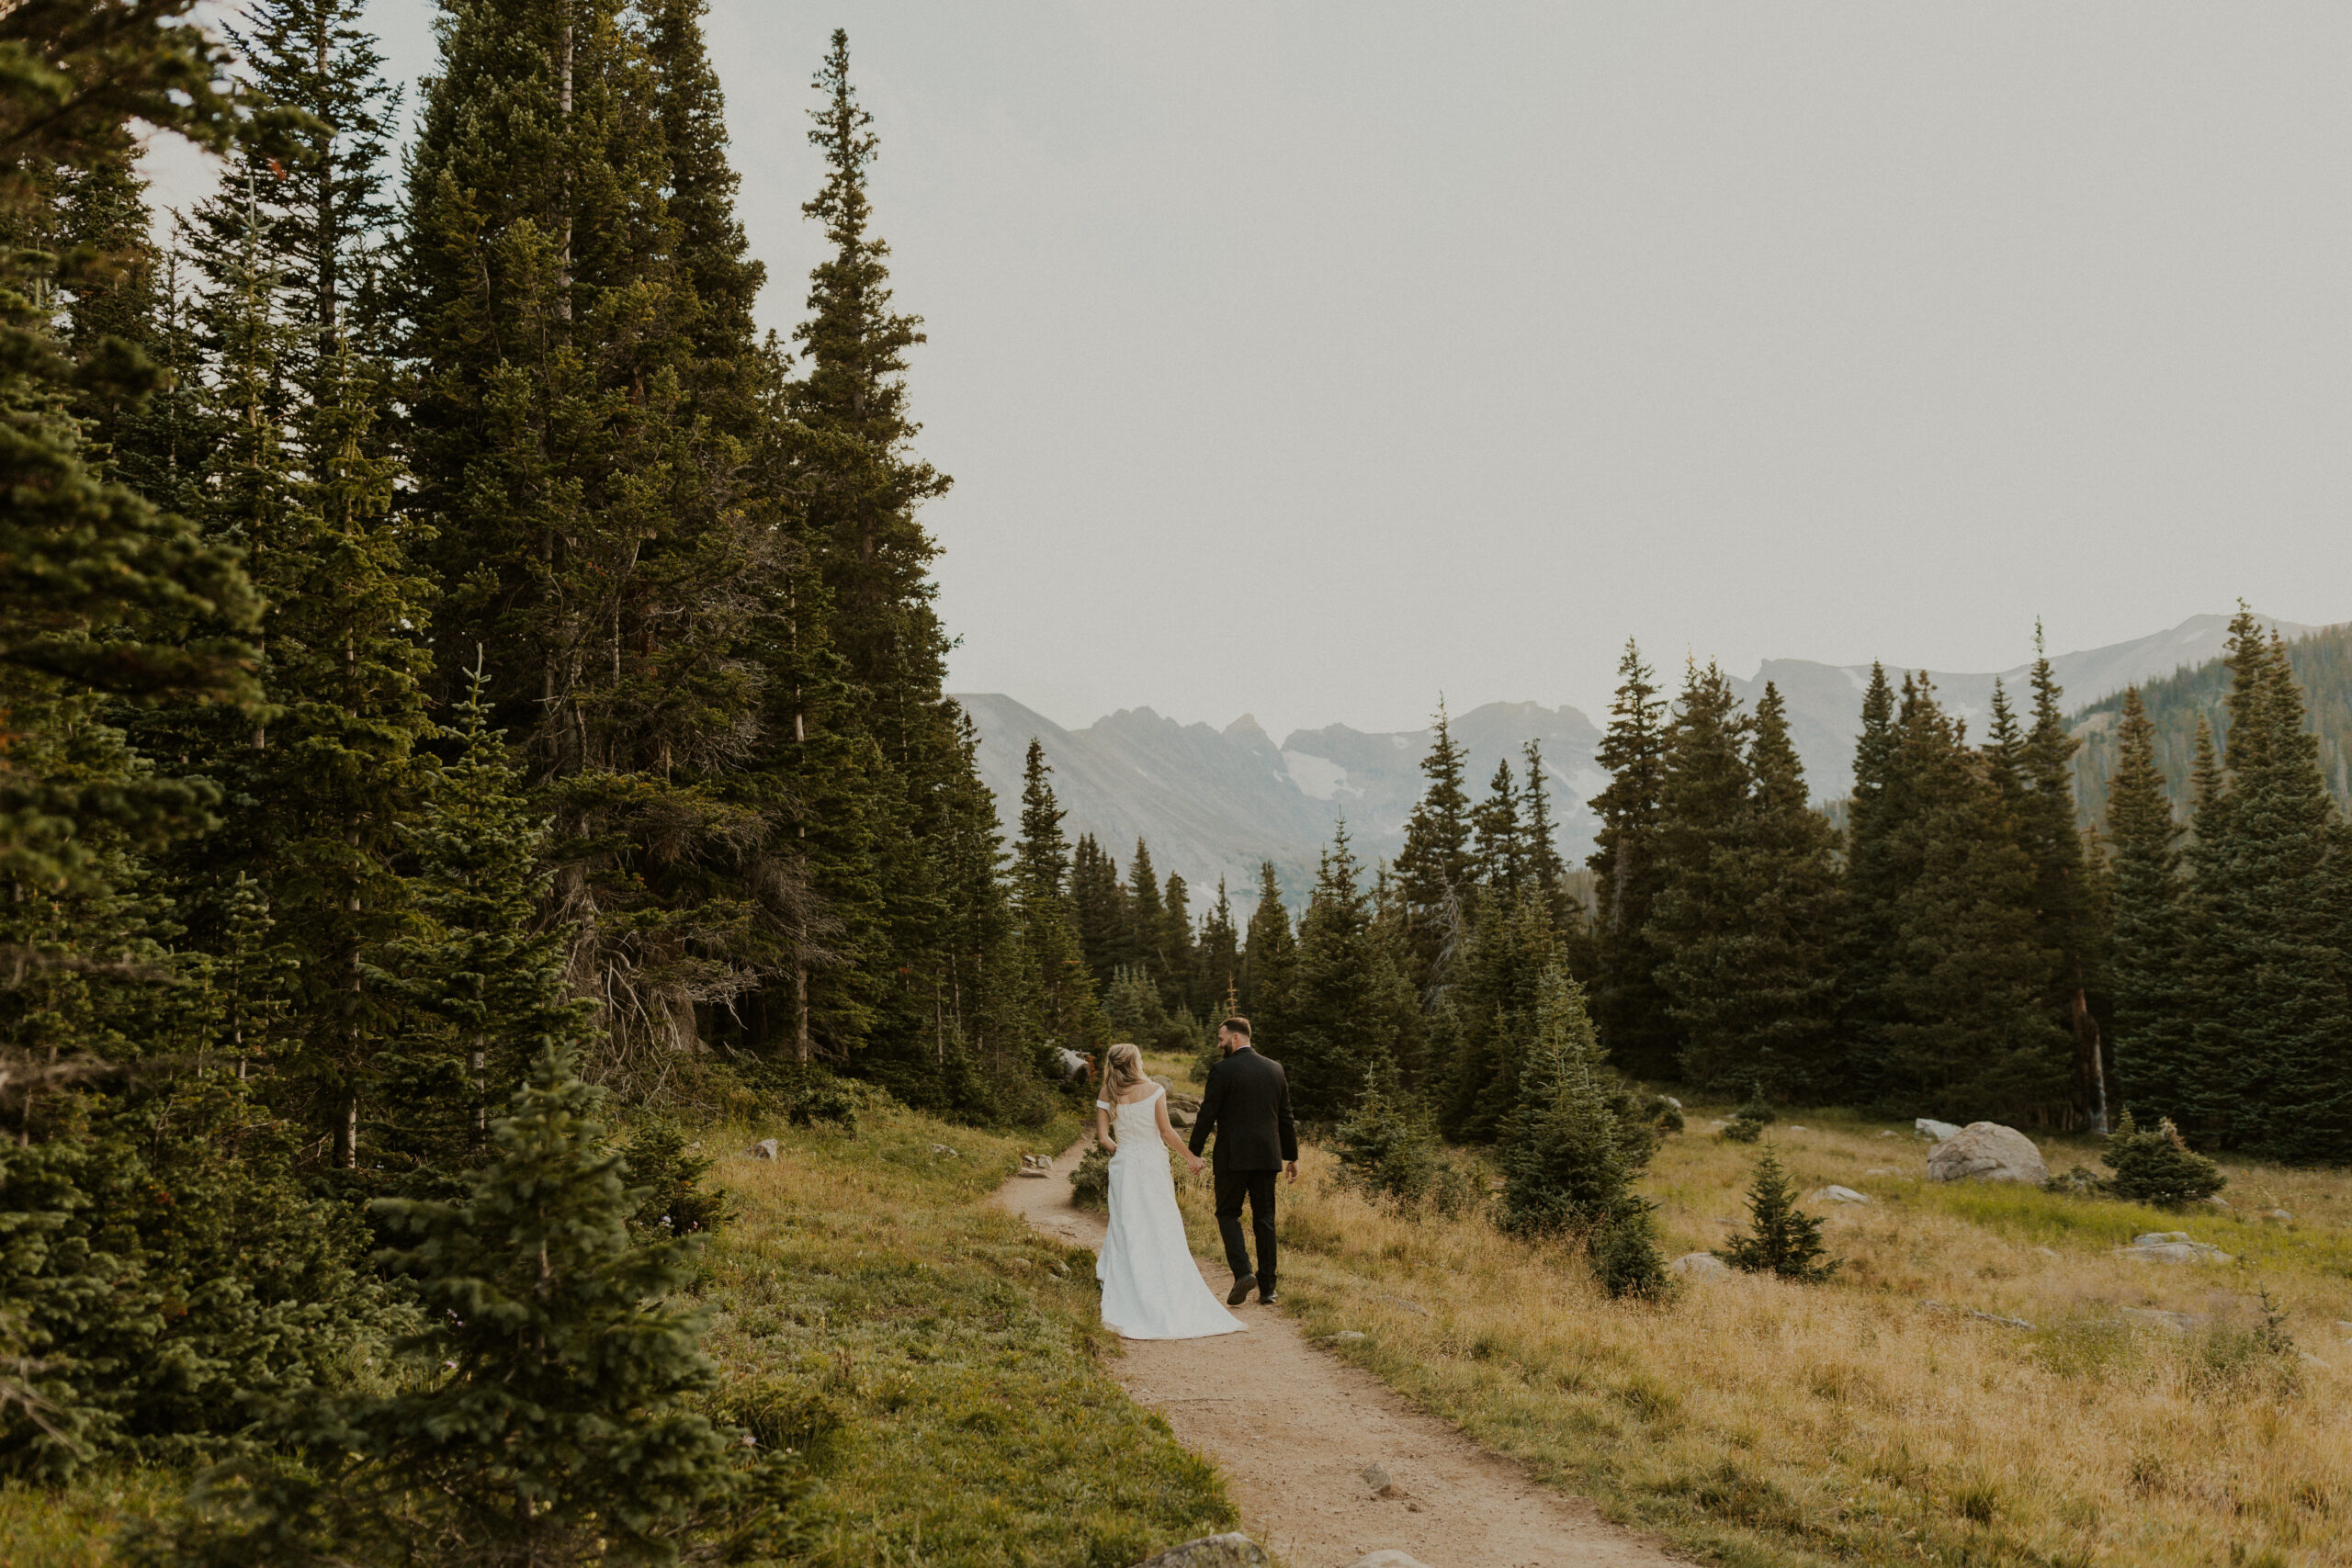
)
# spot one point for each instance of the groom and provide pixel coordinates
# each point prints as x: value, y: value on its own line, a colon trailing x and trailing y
x: 1246, y: 1103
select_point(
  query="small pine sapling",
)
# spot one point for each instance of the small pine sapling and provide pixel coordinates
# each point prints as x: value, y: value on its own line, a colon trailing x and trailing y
x: 2158, y: 1167
x: 1626, y: 1255
x: 1783, y: 1239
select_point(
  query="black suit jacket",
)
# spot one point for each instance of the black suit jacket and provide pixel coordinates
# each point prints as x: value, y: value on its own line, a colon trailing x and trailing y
x: 1247, y: 1104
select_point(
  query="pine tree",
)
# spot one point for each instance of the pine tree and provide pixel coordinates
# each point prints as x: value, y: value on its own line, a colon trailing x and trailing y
x: 1753, y: 977
x: 1048, y: 922
x: 1346, y: 1005
x: 1873, y: 879
x: 1564, y: 1155
x: 1269, y: 959
x: 481, y: 984
x: 2267, y: 958
x: 2065, y: 911
x: 1628, y: 1006
x: 1217, y: 967
x: 2158, y: 1167
x: 1176, y: 942
x: 1969, y: 1032
x: 547, y: 1419
x: 1143, y: 945
x: 1783, y: 1239
x: 1545, y: 868
x: 1494, y: 1017
x: 590, y: 536
x: 1501, y: 850
x: 1699, y: 920
x: 1101, y: 905
x: 1436, y: 866
x: 2151, y: 1041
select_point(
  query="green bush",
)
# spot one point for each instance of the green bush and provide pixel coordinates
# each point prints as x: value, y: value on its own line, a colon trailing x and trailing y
x: 1089, y: 1184
x: 1386, y: 1147
x: 1783, y: 1239
x: 2157, y: 1167
x: 1626, y: 1255
x: 667, y: 1177
x: 1740, y: 1130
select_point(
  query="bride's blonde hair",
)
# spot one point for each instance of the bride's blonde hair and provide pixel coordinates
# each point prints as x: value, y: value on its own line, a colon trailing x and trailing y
x: 1122, y: 1070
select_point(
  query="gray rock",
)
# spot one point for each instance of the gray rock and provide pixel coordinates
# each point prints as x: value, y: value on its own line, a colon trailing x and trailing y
x: 944, y: 1149
x: 1671, y: 1100
x: 1390, y: 1558
x: 1037, y: 1166
x: 763, y: 1150
x: 1889, y: 1132
x: 1700, y: 1266
x: 1350, y: 1336
x: 1376, y: 1477
x: 1934, y: 1129
x: 1799, y: 1127
x: 1838, y: 1195
x: 1986, y: 1151
x: 1071, y: 1065
x: 2171, y: 1246
x: 2279, y: 1214
x: 1231, y: 1550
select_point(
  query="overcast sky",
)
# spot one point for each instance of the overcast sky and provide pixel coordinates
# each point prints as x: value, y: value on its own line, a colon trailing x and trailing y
x: 1313, y: 359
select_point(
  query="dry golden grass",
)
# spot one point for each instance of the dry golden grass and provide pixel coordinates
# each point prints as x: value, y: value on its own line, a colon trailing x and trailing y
x: 1767, y: 1423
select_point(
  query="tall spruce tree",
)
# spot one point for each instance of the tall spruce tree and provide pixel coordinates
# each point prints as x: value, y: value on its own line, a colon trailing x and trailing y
x: 1269, y: 958
x: 1545, y: 868
x: 1881, y: 797
x: 1499, y: 836
x: 1628, y: 1005
x: 1698, y: 922
x: 2065, y: 908
x: 2151, y: 1048
x: 1347, y: 1006
x: 1099, y: 902
x: 1437, y: 865
x: 588, y: 534
x: 1048, y: 922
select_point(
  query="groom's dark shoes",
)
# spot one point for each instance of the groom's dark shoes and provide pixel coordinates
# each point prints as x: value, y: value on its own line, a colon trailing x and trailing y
x: 1241, y: 1289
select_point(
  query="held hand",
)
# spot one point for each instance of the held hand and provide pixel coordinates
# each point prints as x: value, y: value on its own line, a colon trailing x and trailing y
x: 1195, y: 1161
x: 1109, y: 1146
x: 1290, y: 1169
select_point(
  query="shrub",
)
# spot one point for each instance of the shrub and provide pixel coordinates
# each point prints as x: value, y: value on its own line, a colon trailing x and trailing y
x: 1564, y: 1159
x: 2157, y: 1167
x: 1089, y: 1184
x: 1386, y: 1148
x: 667, y: 1179
x: 1782, y: 1238
x: 1626, y: 1255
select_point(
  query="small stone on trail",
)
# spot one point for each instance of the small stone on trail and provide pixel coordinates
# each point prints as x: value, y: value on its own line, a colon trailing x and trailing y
x: 1376, y: 1477
x: 1038, y: 1165
x: 1231, y: 1550
x: 1391, y: 1558
x: 763, y: 1150
x: 1700, y: 1266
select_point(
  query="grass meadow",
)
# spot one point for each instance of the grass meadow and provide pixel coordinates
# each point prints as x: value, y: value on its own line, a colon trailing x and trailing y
x: 1756, y: 1422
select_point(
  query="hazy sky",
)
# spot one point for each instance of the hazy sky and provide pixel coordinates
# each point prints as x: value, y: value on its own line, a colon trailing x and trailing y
x: 1311, y: 359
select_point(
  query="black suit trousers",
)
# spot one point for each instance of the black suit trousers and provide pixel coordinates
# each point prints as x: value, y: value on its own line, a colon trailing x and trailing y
x: 1258, y: 1186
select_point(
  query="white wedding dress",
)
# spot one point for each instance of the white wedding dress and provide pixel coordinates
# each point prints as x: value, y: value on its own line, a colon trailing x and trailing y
x: 1151, y: 1288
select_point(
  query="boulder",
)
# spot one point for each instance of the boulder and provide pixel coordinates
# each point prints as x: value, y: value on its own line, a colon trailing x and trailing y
x: 2178, y: 1321
x: 1934, y: 1129
x: 1700, y: 1266
x: 1837, y: 1195
x: 1069, y: 1064
x: 763, y: 1150
x: 1986, y: 1151
x: 1231, y: 1550
x: 943, y: 1150
x: 1390, y: 1558
x: 1037, y: 1166
x: 2171, y: 1246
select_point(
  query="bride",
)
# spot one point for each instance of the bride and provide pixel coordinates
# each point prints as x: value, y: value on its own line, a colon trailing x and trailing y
x: 1151, y: 1289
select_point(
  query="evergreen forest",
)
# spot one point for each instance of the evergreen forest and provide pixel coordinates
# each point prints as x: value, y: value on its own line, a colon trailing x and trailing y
x: 466, y: 691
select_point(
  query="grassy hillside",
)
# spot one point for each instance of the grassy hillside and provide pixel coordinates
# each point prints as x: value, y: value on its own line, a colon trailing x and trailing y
x: 1763, y: 1423
x: 937, y: 1364
x: 2322, y: 664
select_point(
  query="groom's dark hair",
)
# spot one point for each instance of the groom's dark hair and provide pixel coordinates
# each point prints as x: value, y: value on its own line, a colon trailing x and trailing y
x: 1238, y: 1026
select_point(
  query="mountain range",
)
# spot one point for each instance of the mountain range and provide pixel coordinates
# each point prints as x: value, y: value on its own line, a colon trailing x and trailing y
x: 1215, y: 803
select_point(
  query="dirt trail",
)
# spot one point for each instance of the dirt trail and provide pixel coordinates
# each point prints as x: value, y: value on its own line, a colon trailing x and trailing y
x: 1293, y: 1429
